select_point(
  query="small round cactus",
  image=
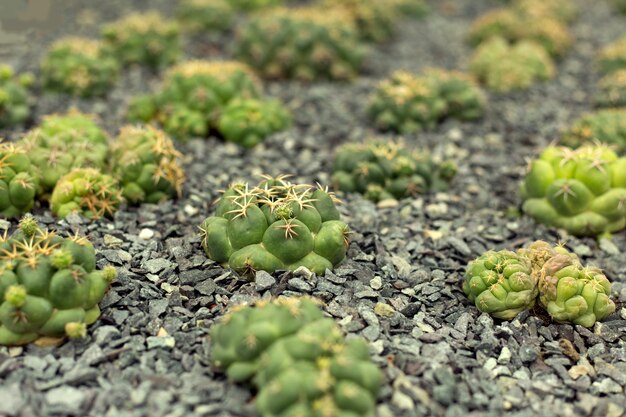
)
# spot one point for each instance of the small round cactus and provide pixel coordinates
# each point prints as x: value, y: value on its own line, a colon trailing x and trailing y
x: 612, y: 57
x: 15, y: 97
x: 275, y: 225
x: 146, y: 163
x: 80, y: 67
x: 86, y: 191
x: 375, y: 20
x: 18, y: 184
x: 206, y: 15
x: 582, y: 191
x: 612, y: 90
x: 607, y: 126
x: 49, y: 286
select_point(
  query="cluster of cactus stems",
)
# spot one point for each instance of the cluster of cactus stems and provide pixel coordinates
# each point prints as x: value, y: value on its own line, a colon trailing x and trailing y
x: 15, y: 97
x: 298, y: 359
x: 18, y: 184
x: 388, y: 170
x: 375, y: 20
x: 607, y: 126
x: 275, y: 225
x: 612, y: 90
x: 582, y: 191
x: 505, y: 283
x: 408, y: 103
x: 49, y: 286
x: 206, y: 15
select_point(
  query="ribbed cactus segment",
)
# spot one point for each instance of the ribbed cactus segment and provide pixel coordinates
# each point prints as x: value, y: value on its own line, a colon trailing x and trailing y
x: 80, y: 67
x: 582, y: 191
x: 206, y: 15
x: 86, y: 191
x: 275, y: 225
x: 143, y: 38
x: 606, y: 126
x: 305, y: 43
x: 18, y: 183
x: 49, y: 285
x: 298, y: 359
x: 612, y: 90
x: 147, y: 165
x: 383, y: 170
x: 15, y: 97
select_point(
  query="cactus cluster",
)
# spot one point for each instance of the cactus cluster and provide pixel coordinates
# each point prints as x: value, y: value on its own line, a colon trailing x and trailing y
x: 18, y: 184
x: 251, y: 5
x: 374, y: 19
x: 275, y: 225
x: 305, y: 43
x: 606, y: 126
x: 15, y: 97
x: 388, y: 170
x: 412, y: 8
x: 612, y: 57
x: 505, y: 283
x: 612, y: 90
x: 502, y: 67
x: 206, y: 15
x: 298, y: 359
x: 582, y: 191
x: 408, y: 103
x: 143, y: 38
x: 80, y: 67
x: 49, y: 286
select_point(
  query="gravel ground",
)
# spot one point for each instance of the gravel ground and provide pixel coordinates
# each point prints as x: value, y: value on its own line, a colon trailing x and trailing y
x: 400, y: 289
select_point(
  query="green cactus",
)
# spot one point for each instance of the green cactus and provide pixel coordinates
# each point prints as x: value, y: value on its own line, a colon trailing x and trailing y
x: 464, y: 99
x: 374, y: 19
x: 613, y: 56
x: 612, y: 90
x: 49, y: 286
x: 86, y: 191
x: 143, y: 38
x: 145, y: 162
x: 80, y: 67
x: 582, y: 191
x: 384, y: 170
x: 275, y: 225
x: 251, y: 5
x: 562, y: 10
x: 206, y: 15
x: 15, y: 97
x: 502, y: 68
x: 411, y: 8
x: 501, y: 284
x: 606, y: 126
x: 247, y: 122
x: 64, y: 142
x: 619, y: 5
x: 298, y: 359
x: 18, y: 185
x: 193, y: 95
x: 305, y: 43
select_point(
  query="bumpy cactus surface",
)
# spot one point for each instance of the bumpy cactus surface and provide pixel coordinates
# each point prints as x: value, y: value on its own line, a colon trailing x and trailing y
x: 502, y: 67
x: 248, y: 121
x: 305, y: 43
x: 143, y: 38
x: 275, y: 225
x: 613, y: 56
x: 206, y: 15
x: 582, y: 191
x: 409, y: 103
x: 15, y: 97
x: 384, y: 170
x: 612, y: 90
x: 64, y: 142
x: 80, y: 67
x: 145, y: 162
x: 49, y: 286
x: 298, y: 359
x: 18, y: 185
x: 505, y: 283
x: 86, y: 191
x: 375, y: 20
x: 606, y: 126
x: 193, y: 96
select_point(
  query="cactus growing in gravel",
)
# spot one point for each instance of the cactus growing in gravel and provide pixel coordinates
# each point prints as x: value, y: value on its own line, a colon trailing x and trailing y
x: 502, y: 67
x: 562, y: 10
x: 63, y: 142
x: 18, y: 185
x: 374, y: 19
x: 412, y: 8
x: 193, y: 96
x: 612, y: 90
x: 298, y: 359
x: 275, y: 225
x: 613, y: 56
x: 49, y: 286
x: 606, y: 126
x: 80, y: 67
x: 250, y: 5
x: 86, y: 191
x: 582, y: 191
x: 304, y: 43
x: 247, y: 122
x: 206, y: 15
x: 384, y: 170
x: 15, y: 97
x: 145, y: 162
x: 464, y: 99
x: 144, y: 38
